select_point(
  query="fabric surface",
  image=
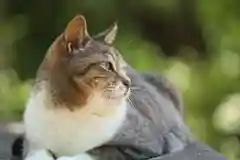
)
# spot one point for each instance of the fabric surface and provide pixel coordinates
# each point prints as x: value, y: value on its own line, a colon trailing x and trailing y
x: 195, y: 151
x: 6, y: 141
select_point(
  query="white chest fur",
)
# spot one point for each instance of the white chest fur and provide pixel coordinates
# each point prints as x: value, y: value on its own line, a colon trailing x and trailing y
x: 68, y: 133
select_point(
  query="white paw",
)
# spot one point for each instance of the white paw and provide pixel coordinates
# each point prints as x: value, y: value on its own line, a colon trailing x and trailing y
x: 39, y: 155
x: 83, y: 156
x: 65, y: 158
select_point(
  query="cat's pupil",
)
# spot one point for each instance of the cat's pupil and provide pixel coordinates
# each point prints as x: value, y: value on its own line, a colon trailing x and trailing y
x: 110, y: 66
x: 107, y: 66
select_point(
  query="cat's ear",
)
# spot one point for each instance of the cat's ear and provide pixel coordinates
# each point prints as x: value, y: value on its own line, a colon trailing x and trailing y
x: 76, y: 33
x: 109, y: 35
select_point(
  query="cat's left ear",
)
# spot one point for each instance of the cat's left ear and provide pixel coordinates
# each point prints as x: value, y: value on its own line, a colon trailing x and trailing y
x: 109, y: 35
x: 76, y: 33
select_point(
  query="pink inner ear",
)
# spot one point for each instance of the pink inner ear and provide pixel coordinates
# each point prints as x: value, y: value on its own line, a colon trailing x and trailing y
x: 76, y: 31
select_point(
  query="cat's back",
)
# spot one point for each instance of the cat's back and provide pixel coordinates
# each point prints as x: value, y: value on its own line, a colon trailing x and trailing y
x: 153, y: 96
x: 154, y: 123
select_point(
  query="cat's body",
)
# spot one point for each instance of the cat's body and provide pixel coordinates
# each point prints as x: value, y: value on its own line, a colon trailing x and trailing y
x: 154, y: 130
x: 79, y: 99
x: 165, y: 89
x: 80, y: 102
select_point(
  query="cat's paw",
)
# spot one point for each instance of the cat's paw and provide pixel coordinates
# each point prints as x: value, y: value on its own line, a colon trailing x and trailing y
x: 40, y: 155
x: 65, y: 158
x: 82, y: 156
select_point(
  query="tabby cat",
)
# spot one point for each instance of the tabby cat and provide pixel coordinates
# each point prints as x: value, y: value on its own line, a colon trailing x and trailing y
x: 86, y: 96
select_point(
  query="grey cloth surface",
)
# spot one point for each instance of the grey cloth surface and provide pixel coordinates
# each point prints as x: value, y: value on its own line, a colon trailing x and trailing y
x: 194, y: 151
x: 6, y: 141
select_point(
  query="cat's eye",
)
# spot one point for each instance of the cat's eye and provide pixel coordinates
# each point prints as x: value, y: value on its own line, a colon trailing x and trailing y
x: 107, y: 66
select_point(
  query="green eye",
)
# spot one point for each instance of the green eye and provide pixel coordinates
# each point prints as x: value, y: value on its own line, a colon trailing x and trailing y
x: 107, y: 66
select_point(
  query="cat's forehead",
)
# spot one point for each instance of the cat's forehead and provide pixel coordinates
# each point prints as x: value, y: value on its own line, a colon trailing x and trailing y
x: 98, y: 46
x: 95, y: 48
x: 94, y: 52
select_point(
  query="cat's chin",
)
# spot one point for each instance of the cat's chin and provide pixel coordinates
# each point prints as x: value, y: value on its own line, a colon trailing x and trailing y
x: 118, y: 95
x: 115, y: 98
x: 109, y: 99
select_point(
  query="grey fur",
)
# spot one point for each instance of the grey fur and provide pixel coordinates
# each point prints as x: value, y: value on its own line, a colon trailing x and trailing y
x: 165, y: 137
x: 163, y: 85
x: 154, y: 125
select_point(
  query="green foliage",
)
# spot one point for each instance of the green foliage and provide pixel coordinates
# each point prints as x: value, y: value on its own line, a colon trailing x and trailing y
x: 13, y: 94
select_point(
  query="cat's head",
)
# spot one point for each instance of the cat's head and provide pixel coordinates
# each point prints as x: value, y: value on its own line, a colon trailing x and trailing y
x: 78, y: 66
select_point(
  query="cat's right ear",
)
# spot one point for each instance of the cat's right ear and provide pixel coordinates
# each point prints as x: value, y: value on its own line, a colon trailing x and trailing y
x: 109, y: 35
x: 76, y: 33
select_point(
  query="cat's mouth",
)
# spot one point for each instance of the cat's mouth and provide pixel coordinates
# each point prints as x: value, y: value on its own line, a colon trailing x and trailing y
x: 117, y: 92
x: 120, y: 96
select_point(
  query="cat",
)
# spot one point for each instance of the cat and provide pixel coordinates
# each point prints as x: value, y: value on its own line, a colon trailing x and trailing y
x: 86, y: 96
x: 111, y: 153
x: 89, y: 104
x: 79, y: 99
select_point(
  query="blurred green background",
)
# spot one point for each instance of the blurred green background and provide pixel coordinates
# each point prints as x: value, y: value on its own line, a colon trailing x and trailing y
x: 195, y: 43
